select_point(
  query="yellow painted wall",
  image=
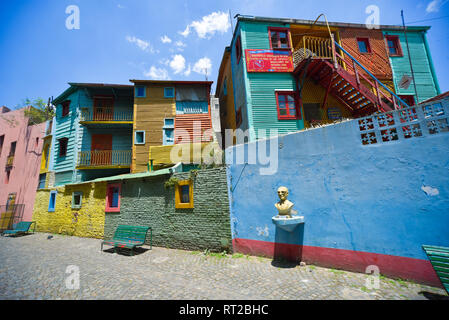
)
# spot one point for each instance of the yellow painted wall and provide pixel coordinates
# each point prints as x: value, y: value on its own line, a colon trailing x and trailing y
x: 314, y: 93
x: 88, y: 221
x: 46, y: 149
x: 149, y: 115
x: 161, y: 154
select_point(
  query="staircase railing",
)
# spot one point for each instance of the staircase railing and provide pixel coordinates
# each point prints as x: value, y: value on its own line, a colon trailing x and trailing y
x: 395, y: 100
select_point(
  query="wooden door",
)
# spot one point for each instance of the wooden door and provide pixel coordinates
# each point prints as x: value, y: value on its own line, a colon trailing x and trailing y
x: 103, y: 109
x: 101, y: 149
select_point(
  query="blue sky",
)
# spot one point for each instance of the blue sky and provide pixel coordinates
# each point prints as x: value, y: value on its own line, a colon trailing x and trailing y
x: 118, y: 40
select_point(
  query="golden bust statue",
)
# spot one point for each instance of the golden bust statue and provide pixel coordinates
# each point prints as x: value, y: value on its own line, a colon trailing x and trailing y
x: 284, y: 206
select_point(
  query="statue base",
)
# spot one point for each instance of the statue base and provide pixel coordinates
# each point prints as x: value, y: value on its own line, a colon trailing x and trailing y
x: 286, y: 223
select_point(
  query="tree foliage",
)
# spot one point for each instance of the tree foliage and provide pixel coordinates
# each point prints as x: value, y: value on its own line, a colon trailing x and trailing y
x: 39, y: 111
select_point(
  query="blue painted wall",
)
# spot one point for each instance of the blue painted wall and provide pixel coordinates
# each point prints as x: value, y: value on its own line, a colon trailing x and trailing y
x: 387, y: 198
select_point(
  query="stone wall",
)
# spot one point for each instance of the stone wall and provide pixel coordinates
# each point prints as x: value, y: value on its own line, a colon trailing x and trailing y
x: 148, y: 203
x: 88, y: 221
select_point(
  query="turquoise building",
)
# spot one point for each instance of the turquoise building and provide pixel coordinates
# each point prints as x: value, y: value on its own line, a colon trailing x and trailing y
x: 93, y: 132
x: 353, y: 72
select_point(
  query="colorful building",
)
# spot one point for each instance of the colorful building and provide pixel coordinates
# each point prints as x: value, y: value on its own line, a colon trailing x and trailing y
x: 20, y: 158
x: 93, y: 132
x: 168, y: 113
x: 290, y: 74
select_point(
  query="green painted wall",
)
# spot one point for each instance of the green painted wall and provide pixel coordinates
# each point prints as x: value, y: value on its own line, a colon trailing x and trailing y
x: 260, y: 87
x: 149, y: 203
x: 425, y: 81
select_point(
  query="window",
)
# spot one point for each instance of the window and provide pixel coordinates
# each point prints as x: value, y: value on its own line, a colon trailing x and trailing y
x: 169, y: 92
x: 279, y: 38
x: 409, y: 99
x: 41, y: 181
x: 225, y: 88
x: 184, y: 194
x: 63, y: 142
x: 139, y: 137
x: 394, y: 47
x: 12, y: 149
x: 113, y: 198
x: 52, y: 201
x: 287, y: 105
x: 364, y: 46
x: 2, y: 139
x: 8, y: 176
x: 77, y: 198
x: 168, y: 131
x: 140, y: 92
x: 37, y: 142
x: 65, y: 108
x: 312, y: 112
x: 238, y: 49
x: 238, y: 117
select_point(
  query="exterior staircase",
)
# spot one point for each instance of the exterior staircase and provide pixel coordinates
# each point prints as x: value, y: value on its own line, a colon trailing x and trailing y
x: 343, y: 77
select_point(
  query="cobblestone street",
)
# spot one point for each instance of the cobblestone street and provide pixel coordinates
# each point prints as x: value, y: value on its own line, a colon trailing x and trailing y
x: 34, y: 267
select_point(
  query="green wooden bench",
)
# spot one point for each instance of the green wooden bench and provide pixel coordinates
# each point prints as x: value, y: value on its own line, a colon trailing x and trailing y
x: 129, y: 237
x: 439, y: 258
x: 20, y: 228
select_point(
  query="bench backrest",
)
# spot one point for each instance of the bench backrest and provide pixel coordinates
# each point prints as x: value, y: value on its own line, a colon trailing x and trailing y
x: 22, y: 226
x: 439, y: 257
x: 131, y: 233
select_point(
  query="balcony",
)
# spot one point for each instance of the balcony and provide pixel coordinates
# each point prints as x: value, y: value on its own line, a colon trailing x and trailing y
x: 104, y: 159
x: 9, y: 161
x: 106, y: 116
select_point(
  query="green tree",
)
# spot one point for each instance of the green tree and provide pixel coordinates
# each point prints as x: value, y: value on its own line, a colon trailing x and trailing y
x: 39, y: 111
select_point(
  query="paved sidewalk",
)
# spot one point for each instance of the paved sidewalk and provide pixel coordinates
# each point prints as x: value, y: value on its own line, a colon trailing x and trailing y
x: 33, y: 267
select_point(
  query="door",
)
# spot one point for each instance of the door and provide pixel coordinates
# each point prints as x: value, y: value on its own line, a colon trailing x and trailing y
x: 103, y: 109
x: 7, y: 216
x: 101, y: 149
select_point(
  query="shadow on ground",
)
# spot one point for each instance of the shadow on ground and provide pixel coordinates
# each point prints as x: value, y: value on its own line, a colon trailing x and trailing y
x: 127, y: 252
x: 282, y: 263
x: 433, y: 296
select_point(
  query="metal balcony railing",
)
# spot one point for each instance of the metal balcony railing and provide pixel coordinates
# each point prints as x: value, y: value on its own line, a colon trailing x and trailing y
x: 107, y: 115
x: 104, y: 158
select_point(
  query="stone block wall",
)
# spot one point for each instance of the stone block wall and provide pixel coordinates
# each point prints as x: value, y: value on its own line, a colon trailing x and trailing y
x: 147, y: 202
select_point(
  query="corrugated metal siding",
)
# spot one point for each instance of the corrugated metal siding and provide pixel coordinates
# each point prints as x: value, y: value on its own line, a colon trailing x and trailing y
x: 66, y: 127
x: 261, y: 87
x: 187, y: 122
x: 421, y: 67
x: 264, y: 108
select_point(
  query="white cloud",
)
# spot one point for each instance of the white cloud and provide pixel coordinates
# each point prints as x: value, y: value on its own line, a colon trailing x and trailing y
x: 120, y: 6
x: 188, y: 70
x: 165, y: 39
x: 186, y: 32
x: 209, y: 25
x: 142, y: 44
x: 434, y: 6
x: 180, y: 44
x: 178, y: 63
x: 157, y: 73
x: 202, y: 66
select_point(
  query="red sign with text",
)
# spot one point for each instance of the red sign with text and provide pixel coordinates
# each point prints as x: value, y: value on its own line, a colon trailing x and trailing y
x: 268, y: 60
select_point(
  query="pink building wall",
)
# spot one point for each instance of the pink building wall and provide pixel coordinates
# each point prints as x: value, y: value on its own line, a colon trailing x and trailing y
x: 24, y: 176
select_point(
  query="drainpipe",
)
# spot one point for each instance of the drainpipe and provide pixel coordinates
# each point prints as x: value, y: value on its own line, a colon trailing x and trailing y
x: 432, y: 68
x: 409, y: 58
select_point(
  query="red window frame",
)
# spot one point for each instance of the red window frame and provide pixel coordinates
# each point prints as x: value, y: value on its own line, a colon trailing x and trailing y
x: 288, y: 116
x: 397, y: 46
x: 367, y: 44
x: 277, y: 29
x: 65, y: 108
x: 238, y: 49
x: 109, y: 197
